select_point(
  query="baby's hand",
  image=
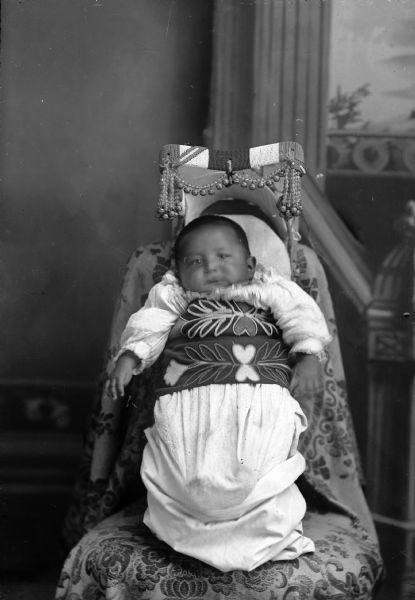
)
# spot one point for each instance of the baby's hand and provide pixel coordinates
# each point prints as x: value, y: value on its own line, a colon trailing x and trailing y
x: 121, y: 376
x: 307, y: 378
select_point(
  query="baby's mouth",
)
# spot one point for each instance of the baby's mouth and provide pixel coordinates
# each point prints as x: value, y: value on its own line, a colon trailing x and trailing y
x: 217, y: 282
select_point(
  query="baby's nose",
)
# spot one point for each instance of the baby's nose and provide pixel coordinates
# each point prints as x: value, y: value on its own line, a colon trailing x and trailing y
x: 211, y: 264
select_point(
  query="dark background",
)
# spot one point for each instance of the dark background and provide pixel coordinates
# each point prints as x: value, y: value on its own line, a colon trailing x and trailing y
x: 92, y: 90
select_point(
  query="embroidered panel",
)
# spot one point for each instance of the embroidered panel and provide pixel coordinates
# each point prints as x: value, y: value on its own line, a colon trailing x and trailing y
x: 202, y: 349
x: 210, y: 317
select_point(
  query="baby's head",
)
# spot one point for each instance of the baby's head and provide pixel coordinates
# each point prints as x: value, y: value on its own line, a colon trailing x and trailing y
x: 212, y: 252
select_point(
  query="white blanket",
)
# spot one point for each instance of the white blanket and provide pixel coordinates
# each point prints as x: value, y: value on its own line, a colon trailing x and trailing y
x: 220, y: 467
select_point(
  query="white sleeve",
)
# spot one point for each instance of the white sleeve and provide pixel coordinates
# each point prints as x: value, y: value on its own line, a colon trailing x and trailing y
x: 147, y: 330
x: 300, y: 319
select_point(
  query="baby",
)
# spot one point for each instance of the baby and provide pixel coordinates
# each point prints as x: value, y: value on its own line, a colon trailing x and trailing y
x: 221, y: 460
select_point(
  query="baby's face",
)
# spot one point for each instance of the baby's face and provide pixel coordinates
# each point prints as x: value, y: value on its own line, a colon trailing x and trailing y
x: 212, y: 258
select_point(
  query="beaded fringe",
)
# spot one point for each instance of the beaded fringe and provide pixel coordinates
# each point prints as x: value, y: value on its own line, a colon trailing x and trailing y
x: 170, y: 203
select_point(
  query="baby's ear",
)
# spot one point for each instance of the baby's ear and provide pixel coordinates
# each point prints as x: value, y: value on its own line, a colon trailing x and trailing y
x: 251, y: 262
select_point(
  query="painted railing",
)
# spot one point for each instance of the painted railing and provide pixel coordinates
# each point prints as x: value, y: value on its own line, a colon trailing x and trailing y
x: 371, y: 153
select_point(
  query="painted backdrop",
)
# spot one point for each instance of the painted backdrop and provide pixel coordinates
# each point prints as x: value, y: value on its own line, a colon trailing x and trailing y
x: 93, y: 89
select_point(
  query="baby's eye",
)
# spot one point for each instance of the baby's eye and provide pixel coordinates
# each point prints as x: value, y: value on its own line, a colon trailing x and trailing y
x: 223, y: 256
x: 193, y: 261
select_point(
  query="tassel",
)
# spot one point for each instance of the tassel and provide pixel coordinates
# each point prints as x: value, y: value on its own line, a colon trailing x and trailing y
x: 170, y: 199
x: 289, y: 205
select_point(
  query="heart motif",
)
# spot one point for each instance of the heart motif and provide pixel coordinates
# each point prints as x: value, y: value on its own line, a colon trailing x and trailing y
x: 243, y: 354
x: 245, y: 326
x: 246, y: 372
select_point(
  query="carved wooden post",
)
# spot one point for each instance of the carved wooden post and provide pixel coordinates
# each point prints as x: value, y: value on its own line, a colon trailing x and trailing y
x: 391, y: 426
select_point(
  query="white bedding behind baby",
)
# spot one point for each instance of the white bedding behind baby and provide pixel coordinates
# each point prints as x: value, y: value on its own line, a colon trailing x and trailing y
x: 265, y: 244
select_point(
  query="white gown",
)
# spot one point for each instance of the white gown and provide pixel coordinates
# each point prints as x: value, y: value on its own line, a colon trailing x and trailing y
x: 221, y: 460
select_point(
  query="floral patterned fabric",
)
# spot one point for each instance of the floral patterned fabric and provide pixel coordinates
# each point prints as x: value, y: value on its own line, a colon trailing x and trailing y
x: 120, y: 559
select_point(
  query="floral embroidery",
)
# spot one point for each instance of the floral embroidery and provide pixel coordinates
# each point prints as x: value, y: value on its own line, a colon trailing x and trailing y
x: 215, y: 317
x: 217, y: 360
x: 214, y: 362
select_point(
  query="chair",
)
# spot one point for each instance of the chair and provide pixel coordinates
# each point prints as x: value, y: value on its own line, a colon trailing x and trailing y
x: 113, y: 554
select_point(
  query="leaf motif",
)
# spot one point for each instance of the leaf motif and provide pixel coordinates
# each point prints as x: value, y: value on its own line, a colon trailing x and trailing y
x: 222, y: 325
x: 204, y: 353
x: 208, y: 353
x: 267, y: 372
x: 204, y: 326
x: 193, y: 354
x: 213, y: 305
x: 223, y: 353
x: 280, y: 376
x: 268, y: 328
x: 223, y: 373
x: 271, y: 351
x: 191, y: 330
x: 200, y: 375
x: 206, y: 375
x: 201, y: 327
x: 203, y: 306
x: 263, y: 352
